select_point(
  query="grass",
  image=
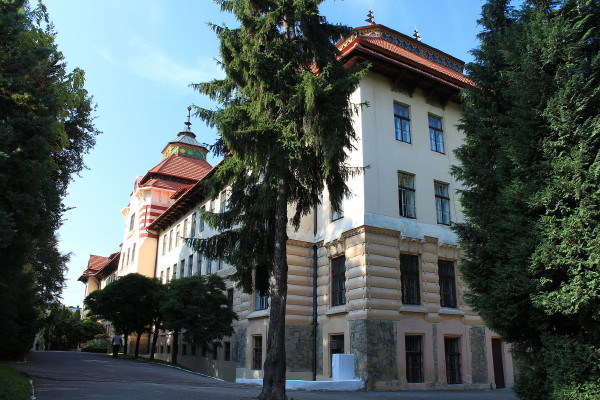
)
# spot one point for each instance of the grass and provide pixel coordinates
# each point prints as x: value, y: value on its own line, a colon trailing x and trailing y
x: 13, y: 384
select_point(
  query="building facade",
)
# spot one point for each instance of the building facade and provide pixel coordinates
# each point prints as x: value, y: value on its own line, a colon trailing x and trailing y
x: 380, y: 278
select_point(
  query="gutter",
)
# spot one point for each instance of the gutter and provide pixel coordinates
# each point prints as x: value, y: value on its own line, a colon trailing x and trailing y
x: 314, y: 292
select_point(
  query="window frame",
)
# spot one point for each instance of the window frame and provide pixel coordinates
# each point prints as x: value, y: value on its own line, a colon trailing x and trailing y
x: 410, y: 279
x: 261, y: 301
x: 335, y: 215
x: 190, y: 265
x: 447, y: 282
x: 257, y: 352
x: 403, y: 201
x: 193, y: 226
x: 453, y: 360
x: 442, y: 203
x: 199, y: 263
x: 201, y: 220
x: 131, y: 222
x: 436, y: 135
x: 414, y: 358
x: 401, y: 118
x: 338, y: 281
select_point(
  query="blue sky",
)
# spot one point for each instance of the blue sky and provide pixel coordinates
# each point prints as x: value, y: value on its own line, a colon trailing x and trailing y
x: 140, y: 56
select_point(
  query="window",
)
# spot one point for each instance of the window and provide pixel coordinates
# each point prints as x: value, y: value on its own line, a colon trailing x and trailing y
x: 219, y: 264
x: 406, y: 195
x: 212, y: 206
x: 183, y: 349
x: 215, y: 351
x: 162, y: 348
x: 168, y: 274
x: 414, y: 358
x: 230, y: 297
x: 193, y: 350
x: 208, y: 266
x: 436, y: 134
x: 131, y: 221
x: 227, y: 351
x: 199, y: 262
x: 170, y: 239
x: 193, y: 226
x: 261, y: 301
x: 338, y: 281
x: 257, y: 352
x: 177, y: 236
x: 223, y: 201
x: 164, y: 245
x: 201, y: 228
x: 401, y: 123
x: 174, y: 271
x: 190, y: 265
x: 185, y: 228
x: 335, y: 215
x: 182, y: 268
x: 442, y: 203
x: 447, y: 284
x: 133, y: 253
x: 452, y: 349
x: 128, y: 253
x: 409, y: 269
x: 162, y: 273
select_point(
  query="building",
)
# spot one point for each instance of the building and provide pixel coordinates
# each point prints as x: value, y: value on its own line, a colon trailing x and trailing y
x: 381, y: 275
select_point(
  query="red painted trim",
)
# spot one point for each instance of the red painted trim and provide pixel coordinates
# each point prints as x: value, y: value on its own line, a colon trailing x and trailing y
x: 149, y: 235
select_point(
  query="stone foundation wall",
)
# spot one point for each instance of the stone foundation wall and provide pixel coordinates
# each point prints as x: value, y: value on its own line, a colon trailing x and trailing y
x: 298, y: 347
x: 239, y: 347
x: 373, y: 343
x: 479, y: 366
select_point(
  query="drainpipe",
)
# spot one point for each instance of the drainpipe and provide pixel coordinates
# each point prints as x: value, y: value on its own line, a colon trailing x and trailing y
x: 314, y: 289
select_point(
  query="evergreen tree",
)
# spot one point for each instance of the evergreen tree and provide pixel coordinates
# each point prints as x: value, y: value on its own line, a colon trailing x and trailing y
x: 285, y: 129
x: 45, y: 129
x: 531, y: 169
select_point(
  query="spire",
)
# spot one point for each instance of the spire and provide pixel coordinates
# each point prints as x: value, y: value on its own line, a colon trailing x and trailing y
x: 416, y: 34
x: 188, y: 124
x: 370, y: 18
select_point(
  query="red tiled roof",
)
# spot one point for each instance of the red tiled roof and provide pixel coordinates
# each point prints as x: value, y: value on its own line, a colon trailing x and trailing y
x: 447, y: 72
x: 182, y: 167
x: 181, y: 191
x: 164, y: 184
x: 96, y: 263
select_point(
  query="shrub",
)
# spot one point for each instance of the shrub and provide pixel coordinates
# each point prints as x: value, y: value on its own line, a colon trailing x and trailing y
x: 94, y: 347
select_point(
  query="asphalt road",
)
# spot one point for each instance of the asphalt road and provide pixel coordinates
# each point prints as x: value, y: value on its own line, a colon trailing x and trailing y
x: 73, y: 375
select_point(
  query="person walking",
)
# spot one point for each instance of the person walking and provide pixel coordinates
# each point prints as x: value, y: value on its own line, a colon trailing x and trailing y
x: 116, y: 345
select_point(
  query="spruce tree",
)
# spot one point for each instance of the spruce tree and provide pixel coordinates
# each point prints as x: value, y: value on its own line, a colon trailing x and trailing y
x: 45, y: 130
x: 285, y: 128
x: 530, y: 166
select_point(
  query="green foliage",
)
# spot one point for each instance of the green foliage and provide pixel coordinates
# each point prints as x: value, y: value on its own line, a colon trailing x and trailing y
x: 13, y: 384
x: 285, y: 129
x: 95, y: 347
x: 531, y: 168
x: 198, y: 306
x: 45, y: 130
x: 64, y: 330
x: 130, y: 303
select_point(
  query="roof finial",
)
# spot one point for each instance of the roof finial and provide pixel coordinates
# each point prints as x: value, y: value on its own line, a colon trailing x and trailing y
x: 370, y: 18
x: 416, y: 34
x: 188, y: 123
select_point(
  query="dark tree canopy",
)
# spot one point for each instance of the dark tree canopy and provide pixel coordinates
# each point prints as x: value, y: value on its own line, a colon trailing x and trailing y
x: 131, y: 303
x: 531, y: 167
x: 198, y: 307
x: 285, y: 130
x: 45, y: 130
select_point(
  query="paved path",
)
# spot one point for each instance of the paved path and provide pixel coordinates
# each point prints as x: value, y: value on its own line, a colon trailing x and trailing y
x: 73, y: 375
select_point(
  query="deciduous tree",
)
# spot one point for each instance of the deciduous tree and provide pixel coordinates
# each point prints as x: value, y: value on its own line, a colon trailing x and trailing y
x: 45, y: 130
x: 198, y: 307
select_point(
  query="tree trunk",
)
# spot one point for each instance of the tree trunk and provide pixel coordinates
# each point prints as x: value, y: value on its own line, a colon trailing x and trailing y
x: 175, y: 346
x: 154, y: 339
x: 125, y: 341
x: 275, y: 361
x: 137, y: 343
